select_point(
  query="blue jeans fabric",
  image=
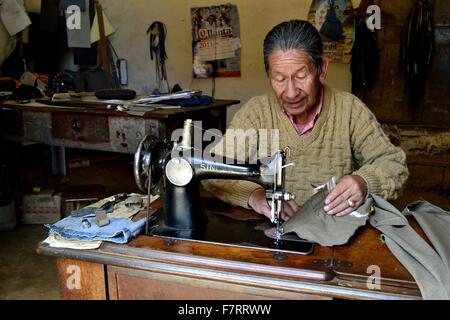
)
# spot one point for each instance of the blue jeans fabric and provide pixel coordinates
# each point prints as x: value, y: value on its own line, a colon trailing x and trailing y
x: 119, y: 230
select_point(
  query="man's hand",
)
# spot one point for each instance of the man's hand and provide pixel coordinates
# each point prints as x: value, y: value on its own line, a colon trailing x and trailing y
x: 347, y: 196
x: 258, y: 202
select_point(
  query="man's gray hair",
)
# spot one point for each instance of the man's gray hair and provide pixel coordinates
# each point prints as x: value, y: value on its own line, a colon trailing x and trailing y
x: 294, y: 34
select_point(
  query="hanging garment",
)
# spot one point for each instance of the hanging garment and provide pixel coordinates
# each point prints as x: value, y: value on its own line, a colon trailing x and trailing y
x: 80, y: 38
x: 64, y: 4
x: 158, y: 33
x: 87, y: 56
x: 49, y: 16
x: 416, y: 51
x: 14, y: 65
x: 365, y: 60
x: 46, y: 48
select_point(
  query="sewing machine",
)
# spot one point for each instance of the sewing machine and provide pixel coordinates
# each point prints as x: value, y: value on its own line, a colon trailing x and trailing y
x: 176, y: 170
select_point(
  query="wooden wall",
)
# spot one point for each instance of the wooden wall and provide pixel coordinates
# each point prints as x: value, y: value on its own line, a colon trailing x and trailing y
x: 387, y: 99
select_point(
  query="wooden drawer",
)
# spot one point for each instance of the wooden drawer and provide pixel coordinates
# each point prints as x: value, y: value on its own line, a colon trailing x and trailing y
x: 80, y: 127
x: 133, y: 284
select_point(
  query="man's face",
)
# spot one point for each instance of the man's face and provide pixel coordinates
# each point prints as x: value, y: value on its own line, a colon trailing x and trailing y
x: 295, y: 80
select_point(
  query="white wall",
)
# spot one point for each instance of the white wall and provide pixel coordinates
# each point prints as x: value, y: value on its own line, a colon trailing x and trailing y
x: 133, y: 17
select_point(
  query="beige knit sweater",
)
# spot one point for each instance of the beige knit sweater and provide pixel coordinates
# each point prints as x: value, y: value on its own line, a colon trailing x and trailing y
x: 346, y: 139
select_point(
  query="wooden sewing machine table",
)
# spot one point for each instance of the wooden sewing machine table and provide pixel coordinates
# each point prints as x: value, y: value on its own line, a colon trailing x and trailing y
x: 161, y: 268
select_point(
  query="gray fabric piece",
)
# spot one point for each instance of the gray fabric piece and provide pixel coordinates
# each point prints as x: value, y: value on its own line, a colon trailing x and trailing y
x: 429, y: 267
x: 312, y: 223
x: 421, y: 260
x: 429, y: 284
x: 435, y: 222
x: 80, y: 38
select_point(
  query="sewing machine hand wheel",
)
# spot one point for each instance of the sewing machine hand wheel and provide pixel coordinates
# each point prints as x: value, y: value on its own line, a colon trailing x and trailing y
x: 147, y: 159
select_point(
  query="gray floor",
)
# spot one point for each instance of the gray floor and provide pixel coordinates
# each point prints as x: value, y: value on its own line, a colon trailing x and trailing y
x: 23, y: 273
x: 26, y: 275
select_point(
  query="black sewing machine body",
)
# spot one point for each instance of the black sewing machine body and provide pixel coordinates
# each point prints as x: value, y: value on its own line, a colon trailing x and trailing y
x: 182, y: 203
x: 179, y: 170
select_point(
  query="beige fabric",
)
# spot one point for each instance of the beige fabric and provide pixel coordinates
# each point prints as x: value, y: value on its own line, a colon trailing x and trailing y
x: 346, y: 139
x: 312, y: 223
x: 429, y: 265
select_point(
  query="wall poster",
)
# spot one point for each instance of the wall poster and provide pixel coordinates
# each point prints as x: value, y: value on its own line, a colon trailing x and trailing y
x: 216, y: 45
x: 336, y: 51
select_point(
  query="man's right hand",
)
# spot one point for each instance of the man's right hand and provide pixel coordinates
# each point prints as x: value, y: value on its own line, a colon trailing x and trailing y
x: 258, y: 202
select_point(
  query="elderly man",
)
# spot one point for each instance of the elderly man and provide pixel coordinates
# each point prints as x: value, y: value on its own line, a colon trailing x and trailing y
x: 329, y: 132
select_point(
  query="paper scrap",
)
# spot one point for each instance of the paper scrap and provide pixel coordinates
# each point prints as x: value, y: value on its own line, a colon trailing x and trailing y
x: 215, y: 49
x: 235, y: 43
x: 122, y: 211
x: 14, y: 17
x: 95, y: 31
x: 55, y: 241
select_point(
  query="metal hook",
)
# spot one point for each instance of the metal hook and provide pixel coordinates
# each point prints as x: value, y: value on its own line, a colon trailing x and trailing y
x: 287, y: 151
x: 292, y: 164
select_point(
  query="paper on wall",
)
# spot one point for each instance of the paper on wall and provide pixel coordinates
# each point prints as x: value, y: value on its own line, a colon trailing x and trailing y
x: 14, y: 17
x: 356, y: 3
x: 215, y: 49
x: 235, y: 43
x: 95, y: 31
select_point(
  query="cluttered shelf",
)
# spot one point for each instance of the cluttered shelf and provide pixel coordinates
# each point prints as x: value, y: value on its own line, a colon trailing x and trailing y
x: 152, y: 267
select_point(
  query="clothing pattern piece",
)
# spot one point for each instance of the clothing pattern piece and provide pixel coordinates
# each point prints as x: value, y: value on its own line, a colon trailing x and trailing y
x: 312, y: 223
x: 429, y: 265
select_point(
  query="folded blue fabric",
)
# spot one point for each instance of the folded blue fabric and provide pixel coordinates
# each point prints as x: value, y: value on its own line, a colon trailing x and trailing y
x: 189, y: 102
x: 119, y: 230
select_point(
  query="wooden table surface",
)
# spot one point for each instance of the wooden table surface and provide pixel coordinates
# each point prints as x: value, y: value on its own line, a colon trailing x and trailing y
x: 79, y: 107
x: 329, y: 272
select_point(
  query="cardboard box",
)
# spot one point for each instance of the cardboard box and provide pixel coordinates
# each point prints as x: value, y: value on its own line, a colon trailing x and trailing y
x: 41, y: 208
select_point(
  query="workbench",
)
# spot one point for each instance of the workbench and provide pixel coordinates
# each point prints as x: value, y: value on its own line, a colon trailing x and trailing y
x: 98, y: 128
x: 164, y: 268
